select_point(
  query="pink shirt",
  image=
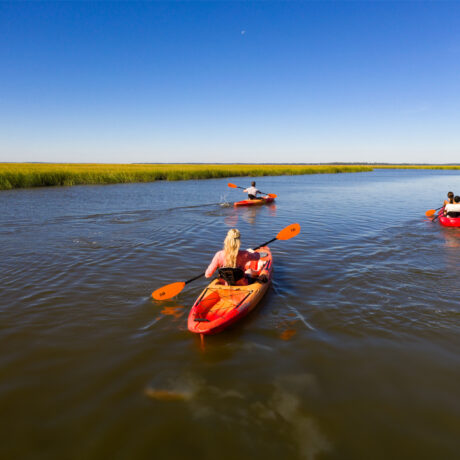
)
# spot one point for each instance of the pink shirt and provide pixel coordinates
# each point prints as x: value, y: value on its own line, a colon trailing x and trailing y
x: 218, y: 261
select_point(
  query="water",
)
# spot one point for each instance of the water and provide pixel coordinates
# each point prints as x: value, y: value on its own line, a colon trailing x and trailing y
x: 352, y: 354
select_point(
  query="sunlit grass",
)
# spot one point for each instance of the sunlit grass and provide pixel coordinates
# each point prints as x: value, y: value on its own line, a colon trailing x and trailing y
x: 446, y: 167
x: 20, y: 175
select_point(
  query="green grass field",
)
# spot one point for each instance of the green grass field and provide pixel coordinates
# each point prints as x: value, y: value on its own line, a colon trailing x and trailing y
x: 21, y: 175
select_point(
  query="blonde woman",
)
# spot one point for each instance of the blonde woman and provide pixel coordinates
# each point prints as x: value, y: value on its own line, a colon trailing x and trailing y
x: 231, y: 256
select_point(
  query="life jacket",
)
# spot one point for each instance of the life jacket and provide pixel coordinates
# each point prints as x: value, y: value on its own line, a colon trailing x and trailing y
x: 255, y: 268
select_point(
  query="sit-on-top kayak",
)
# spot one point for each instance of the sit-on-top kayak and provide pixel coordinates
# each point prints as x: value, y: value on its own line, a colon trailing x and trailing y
x: 220, y: 305
x: 448, y: 221
x: 258, y: 201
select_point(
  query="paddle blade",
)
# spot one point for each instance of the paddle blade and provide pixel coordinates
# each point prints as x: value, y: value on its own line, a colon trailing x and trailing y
x: 232, y: 185
x: 272, y: 195
x: 288, y: 232
x: 430, y: 212
x: 168, y: 291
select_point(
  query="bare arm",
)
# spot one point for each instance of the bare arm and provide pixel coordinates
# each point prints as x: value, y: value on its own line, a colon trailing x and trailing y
x: 214, y: 265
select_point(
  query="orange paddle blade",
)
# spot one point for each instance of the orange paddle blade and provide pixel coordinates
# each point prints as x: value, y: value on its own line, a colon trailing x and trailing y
x: 168, y: 291
x: 430, y: 212
x: 272, y: 195
x: 232, y: 185
x: 288, y: 232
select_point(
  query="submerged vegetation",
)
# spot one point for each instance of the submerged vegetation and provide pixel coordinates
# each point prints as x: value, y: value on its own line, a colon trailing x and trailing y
x: 20, y: 175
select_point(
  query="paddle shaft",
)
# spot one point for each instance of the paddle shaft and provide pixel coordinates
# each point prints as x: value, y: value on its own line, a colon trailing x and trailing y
x: 437, y: 209
x: 437, y: 215
x: 195, y: 278
x: 264, y: 244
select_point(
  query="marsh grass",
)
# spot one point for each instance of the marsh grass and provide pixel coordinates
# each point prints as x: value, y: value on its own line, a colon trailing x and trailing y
x: 21, y: 175
x: 445, y: 167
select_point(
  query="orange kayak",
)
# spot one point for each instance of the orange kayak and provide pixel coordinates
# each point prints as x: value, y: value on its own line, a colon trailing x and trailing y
x: 219, y: 305
x: 258, y: 201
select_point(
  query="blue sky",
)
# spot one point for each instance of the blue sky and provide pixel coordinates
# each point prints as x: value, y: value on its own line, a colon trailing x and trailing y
x: 230, y: 81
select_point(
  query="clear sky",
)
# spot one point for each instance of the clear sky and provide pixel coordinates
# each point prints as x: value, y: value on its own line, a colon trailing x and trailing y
x: 230, y: 81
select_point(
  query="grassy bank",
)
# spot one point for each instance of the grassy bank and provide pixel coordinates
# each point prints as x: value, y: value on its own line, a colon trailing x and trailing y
x: 446, y: 167
x: 20, y: 175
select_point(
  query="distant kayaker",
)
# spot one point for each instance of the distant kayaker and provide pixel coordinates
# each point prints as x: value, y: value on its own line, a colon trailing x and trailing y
x: 453, y: 210
x: 252, y: 191
x: 232, y: 257
x: 450, y: 198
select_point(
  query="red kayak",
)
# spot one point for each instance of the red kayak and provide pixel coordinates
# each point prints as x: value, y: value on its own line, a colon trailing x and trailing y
x: 448, y: 221
x: 220, y: 305
x: 258, y: 201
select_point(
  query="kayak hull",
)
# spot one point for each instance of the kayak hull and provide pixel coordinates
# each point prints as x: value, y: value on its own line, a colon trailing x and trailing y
x: 220, y: 306
x: 448, y: 221
x: 257, y: 202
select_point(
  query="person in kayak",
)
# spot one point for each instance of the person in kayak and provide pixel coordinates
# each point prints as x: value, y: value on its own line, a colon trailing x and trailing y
x: 450, y: 198
x: 453, y: 209
x: 232, y: 257
x: 252, y: 191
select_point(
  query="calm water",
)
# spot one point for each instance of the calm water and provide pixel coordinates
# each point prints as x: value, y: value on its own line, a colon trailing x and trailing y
x: 354, y: 353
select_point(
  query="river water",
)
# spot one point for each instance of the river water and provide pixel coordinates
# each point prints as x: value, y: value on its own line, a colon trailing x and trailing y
x: 354, y: 353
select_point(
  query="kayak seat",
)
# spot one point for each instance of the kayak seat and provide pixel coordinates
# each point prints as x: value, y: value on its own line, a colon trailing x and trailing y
x: 231, y: 275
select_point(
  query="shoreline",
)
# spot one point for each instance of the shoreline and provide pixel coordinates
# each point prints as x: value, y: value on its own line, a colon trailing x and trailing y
x: 29, y: 175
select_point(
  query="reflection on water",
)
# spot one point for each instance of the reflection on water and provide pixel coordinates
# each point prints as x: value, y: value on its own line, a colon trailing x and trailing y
x: 177, y: 312
x: 279, y: 409
x: 354, y: 346
x: 248, y: 214
x: 287, y: 334
x: 451, y: 236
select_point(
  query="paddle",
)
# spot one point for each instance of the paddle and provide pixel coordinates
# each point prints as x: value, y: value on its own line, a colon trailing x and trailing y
x: 431, y: 212
x: 435, y: 217
x: 171, y: 290
x: 271, y: 195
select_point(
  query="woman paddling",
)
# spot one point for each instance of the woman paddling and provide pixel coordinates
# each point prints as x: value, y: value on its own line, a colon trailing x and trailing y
x: 233, y: 258
x: 450, y: 198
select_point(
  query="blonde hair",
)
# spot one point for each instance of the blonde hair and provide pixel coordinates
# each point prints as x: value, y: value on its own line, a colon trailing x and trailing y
x: 231, y: 247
